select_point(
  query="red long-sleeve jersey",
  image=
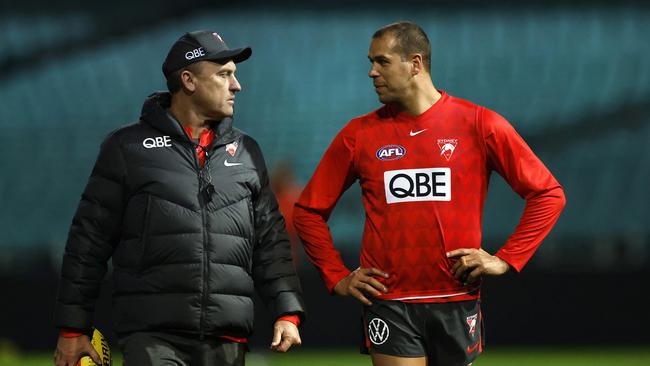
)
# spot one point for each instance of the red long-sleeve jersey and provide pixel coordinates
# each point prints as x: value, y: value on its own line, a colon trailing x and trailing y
x: 424, y: 181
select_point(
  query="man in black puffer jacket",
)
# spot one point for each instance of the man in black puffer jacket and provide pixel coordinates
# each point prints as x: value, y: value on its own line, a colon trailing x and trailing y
x: 181, y: 203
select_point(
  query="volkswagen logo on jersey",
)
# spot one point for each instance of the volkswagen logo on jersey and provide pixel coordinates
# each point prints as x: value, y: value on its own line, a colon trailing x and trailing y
x: 378, y: 331
x: 410, y: 185
x: 390, y: 152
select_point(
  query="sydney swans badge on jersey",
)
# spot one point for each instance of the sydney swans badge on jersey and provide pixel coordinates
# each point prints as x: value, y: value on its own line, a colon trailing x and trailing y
x: 471, y: 323
x: 447, y: 147
x: 231, y: 148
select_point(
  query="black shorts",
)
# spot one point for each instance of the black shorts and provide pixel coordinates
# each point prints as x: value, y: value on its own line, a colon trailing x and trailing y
x: 446, y: 333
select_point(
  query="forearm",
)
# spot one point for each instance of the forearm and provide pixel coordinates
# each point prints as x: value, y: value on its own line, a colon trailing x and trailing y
x: 540, y: 214
x: 317, y: 241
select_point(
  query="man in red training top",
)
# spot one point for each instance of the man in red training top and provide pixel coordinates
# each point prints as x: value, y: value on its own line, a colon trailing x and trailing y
x: 423, y: 161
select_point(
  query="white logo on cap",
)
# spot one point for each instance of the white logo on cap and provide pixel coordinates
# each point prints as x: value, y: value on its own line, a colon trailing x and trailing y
x: 197, y: 52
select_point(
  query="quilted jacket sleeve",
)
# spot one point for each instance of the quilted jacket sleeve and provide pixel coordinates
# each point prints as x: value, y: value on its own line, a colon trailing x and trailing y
x: 275, y: 277
x: 92, y: 238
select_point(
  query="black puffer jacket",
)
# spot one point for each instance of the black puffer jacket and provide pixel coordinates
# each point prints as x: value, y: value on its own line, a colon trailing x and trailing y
x: 184, y: 259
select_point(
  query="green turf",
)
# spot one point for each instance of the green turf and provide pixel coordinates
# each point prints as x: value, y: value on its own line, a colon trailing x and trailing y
x: 499, y: 357
x: 602, y: 356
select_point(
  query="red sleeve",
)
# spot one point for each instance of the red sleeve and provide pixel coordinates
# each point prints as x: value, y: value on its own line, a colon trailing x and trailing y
x: 295, y: 319
x: 68, y: 333
x: 334, y: 174
x: 511, y: 157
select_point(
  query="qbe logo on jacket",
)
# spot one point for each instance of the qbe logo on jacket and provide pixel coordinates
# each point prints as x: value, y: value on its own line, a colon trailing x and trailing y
x: 160, y: 141
x: 411, y: 185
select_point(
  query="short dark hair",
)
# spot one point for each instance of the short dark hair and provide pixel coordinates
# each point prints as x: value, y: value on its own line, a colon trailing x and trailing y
x: 174, y: 83
x: 409, y: 39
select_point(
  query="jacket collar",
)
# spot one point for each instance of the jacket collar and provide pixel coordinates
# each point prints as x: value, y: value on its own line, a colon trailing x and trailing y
x: 155, y: 113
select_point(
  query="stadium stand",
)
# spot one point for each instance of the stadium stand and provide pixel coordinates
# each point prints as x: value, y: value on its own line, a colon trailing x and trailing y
x: 543, y: 70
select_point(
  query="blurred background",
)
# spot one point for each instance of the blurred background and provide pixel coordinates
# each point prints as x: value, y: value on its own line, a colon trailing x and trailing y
x: 572, y: 77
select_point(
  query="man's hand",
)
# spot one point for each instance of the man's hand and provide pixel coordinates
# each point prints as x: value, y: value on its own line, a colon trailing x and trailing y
x: 361, y: 282
x: 70, y: 350
x: 285, y: 335
x: 476, y: 262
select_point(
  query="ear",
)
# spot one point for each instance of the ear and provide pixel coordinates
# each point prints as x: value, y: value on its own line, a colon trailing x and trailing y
x: 188, y: 80
x: 416, y: 64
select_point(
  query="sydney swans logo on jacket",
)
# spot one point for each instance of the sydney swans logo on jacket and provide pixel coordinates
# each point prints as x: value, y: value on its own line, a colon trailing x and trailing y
x: 160, y: 141
x: 232, y: 148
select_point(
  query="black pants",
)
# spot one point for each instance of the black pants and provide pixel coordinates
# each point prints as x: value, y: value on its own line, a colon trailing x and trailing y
x: 162, y: 349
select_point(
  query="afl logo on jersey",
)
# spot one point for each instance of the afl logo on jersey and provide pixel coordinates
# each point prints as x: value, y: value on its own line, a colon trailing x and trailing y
x: 390, y: 152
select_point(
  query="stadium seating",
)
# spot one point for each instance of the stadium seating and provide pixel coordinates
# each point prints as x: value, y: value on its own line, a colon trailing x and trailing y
x: 308, y: 76
x: 22, y: 35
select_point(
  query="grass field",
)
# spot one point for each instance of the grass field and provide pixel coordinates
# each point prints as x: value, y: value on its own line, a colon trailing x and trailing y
x: 601, y: 356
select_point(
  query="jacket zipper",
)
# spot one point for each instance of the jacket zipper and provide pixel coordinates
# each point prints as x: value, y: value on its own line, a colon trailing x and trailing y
x: 206, y: 266
x: 202, y: 203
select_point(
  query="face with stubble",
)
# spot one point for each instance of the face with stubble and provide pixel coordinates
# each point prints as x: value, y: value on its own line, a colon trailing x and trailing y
x: 215, y: 86
x: 391, y: 75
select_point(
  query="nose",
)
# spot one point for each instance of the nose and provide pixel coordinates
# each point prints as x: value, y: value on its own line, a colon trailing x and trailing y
x: 234, y: 85
x: 373, y: 73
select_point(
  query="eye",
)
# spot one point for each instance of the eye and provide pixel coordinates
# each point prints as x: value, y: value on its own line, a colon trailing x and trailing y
x: 379, y: 61
x: 225, y: 74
